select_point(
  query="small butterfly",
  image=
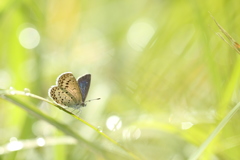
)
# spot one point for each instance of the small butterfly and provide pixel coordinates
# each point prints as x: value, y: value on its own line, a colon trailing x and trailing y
x: 69, y: 92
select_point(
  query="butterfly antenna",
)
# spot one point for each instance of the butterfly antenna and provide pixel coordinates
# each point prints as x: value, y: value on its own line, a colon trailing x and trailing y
x: 93, y: 99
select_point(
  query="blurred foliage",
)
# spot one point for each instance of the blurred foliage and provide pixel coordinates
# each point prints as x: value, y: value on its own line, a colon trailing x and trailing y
x: 157, y: 65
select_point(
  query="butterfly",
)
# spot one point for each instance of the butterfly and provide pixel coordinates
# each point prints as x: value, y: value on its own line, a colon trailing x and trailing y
x: 69, y: 92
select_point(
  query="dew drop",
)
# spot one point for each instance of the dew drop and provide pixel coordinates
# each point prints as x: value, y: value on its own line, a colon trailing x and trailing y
x: 27, y: 91
x: 13, y: 139
x: 100, y: 129
x: 12, y: 91
x: 14, y: 144
x: 41, y: 142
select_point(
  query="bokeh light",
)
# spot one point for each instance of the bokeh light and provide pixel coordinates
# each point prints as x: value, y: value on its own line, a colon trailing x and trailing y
x: 41, y: 142
x: 29, y: 38
x: 165, y: 79
x: 114, y: 123
x: 139, y: 34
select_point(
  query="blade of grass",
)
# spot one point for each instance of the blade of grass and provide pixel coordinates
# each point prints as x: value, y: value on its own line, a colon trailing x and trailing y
x: 233, y: 80
x: 200, y: 150
x: 8, y: 95
x: 37, y: 113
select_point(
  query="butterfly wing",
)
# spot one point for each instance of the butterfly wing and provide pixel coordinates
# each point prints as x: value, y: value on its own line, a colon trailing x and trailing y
x: 84, y: 84
x: 66, y: 92
x: 60, y: 97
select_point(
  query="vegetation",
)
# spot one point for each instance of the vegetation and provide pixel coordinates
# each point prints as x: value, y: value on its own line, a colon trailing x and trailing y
x: 169, y: 86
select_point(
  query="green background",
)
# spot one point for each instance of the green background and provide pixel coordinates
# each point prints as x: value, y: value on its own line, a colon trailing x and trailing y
x: 157, y: 65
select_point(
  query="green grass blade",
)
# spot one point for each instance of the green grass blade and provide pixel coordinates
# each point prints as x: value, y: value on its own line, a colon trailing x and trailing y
x: 5, y: 94
x: 196, y: 155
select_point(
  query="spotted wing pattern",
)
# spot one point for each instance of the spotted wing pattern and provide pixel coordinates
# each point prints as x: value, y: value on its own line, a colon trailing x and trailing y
x: 66, y: 92
x: 84, y: 84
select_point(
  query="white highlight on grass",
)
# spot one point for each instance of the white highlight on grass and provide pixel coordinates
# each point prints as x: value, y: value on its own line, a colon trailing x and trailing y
x: 14, y: 144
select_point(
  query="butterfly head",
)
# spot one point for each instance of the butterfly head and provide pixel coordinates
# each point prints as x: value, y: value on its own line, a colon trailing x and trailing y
x: 84, y: 104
